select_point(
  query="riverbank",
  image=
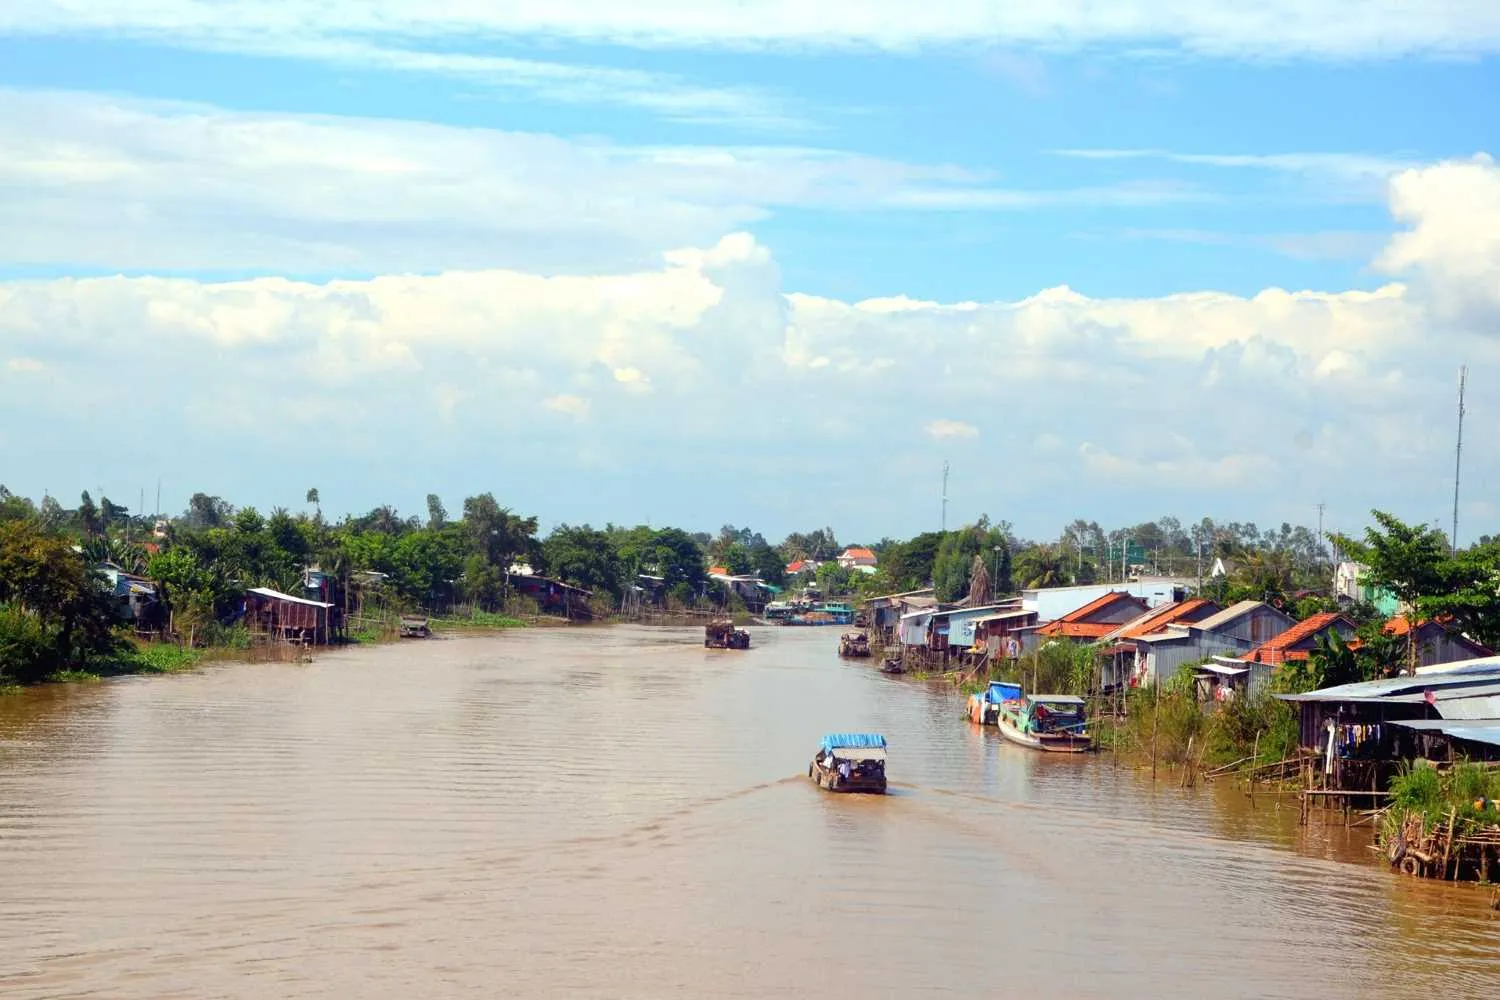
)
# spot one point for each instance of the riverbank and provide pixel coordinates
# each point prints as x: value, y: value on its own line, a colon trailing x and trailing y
x: 1443, y: 823
x: 137, y: 657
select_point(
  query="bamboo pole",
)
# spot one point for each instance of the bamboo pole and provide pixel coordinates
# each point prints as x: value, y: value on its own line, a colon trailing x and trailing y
x: 1448, y: 843
x: 1155, y: 719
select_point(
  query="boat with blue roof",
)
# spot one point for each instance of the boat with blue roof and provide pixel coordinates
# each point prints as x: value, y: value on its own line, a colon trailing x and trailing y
x: 1051, y: 722
x: 850, y: 762
x: 984, y: 707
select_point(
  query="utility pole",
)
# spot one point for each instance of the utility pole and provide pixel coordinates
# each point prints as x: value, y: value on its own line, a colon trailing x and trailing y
x: 1458, y: 453
x: 1321, y: 505
x: 1198, y: 543
x: 944, y: 523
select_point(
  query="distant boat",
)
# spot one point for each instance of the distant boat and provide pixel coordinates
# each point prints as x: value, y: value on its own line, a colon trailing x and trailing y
x: 723, y: 635
x: 414, y: 627
x: 1051, y: 722
x: 854, y: 644
x: 810, y: 613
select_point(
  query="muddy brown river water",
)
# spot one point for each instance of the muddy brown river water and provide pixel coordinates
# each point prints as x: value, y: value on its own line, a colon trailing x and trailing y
x: 617, y: 812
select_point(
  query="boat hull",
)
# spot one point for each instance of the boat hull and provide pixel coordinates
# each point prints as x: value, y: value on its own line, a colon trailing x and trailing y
x: 1045, y: 742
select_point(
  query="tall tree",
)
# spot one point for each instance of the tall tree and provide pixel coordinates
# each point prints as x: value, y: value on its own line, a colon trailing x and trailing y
x: 88, y: 514
x: 437, y: 515
x: 584, y: 557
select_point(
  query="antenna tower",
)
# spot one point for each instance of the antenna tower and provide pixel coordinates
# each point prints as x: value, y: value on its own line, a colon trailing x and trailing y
x: 1458, y: 453
x: 944, y: 523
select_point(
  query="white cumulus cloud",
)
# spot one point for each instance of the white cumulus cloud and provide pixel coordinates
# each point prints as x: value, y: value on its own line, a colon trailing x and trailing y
x: 114, y: 182
x: 944, y: 430
x: 1247, y: 403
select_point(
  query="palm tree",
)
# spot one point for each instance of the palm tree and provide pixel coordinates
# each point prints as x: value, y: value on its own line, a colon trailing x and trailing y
x: 1042, y: 566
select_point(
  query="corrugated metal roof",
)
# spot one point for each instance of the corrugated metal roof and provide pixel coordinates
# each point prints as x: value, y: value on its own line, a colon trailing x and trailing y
x: 964, y: 612
x: 1487, y: 731
x: 1470, y: 705
x: 1408, y: 688
x: 1219, y: 668
x: 279, y: 596
x: 1229, y: 614
x: 1482, y: 664
x: 1004, y: 615
x: 839, y: 740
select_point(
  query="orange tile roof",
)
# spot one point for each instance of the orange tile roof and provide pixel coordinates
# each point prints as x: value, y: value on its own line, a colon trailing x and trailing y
x: 1157, y: 619
x: 1097, y: 605
x: 1078, y: 630
x: 1076, y: 623
x: 1400, y: 626
x: 1278, y: 649
x: 858, y: 552
x: 718, y: 570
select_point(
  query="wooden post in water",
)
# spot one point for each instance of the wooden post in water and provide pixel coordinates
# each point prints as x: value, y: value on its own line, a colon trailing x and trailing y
x: 1155, y: 722
x: 1254, y: 763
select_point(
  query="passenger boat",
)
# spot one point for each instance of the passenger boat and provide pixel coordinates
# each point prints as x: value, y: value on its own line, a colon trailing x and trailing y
x: 1050, y: 722
x: 807, y: 612
x: 723, y: 635
x: 850, y: 762
x: 854, y: 644
x: 414, y: 627
x: 984, y: 707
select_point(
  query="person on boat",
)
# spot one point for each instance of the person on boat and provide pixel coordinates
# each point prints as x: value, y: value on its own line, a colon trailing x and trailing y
x: 844, y: 769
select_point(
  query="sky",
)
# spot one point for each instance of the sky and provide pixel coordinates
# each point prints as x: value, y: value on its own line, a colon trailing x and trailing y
x: 760, y: 263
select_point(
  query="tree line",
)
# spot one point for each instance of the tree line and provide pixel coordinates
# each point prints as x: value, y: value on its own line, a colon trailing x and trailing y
x: 205, y: 557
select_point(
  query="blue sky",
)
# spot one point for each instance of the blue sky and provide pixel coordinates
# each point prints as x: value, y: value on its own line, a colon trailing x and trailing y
x: 755, y: 263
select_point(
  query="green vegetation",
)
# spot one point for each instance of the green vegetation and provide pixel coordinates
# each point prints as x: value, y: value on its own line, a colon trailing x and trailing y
x: 1415, y: 563
x: 1424, y: 800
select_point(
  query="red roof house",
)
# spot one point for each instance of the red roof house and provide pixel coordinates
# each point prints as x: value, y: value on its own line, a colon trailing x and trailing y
x: 1298, y: 641
x: 856, y: 555
x: 1436, y: 641
x: 1097, y: 618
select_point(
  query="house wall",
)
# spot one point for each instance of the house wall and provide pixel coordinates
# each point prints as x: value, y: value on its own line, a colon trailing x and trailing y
x: 1259, y: 625
x: 1435, y: 645
x: 914, y: 630
x: 1162, y: 659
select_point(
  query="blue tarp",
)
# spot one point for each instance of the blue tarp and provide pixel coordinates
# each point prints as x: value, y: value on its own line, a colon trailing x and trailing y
x: 1001, y: 691
x: 835, y: 740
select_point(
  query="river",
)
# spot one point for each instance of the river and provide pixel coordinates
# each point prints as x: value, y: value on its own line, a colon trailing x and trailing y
x: 617, y: 812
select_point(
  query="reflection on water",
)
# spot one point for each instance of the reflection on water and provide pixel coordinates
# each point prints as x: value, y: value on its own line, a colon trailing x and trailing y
x: 619, y: 812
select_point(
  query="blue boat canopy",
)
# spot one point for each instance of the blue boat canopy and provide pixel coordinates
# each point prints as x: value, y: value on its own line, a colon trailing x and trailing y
x: 834, y: 741
x: 1001, y: 691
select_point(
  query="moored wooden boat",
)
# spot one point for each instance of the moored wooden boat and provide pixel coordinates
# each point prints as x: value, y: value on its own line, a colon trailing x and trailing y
x: 1053, y: 723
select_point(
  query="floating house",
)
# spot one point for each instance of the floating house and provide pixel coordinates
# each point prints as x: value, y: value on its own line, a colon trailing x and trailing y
x: 287, y: 618
x: 553, y: 596
x: 885, y: 611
